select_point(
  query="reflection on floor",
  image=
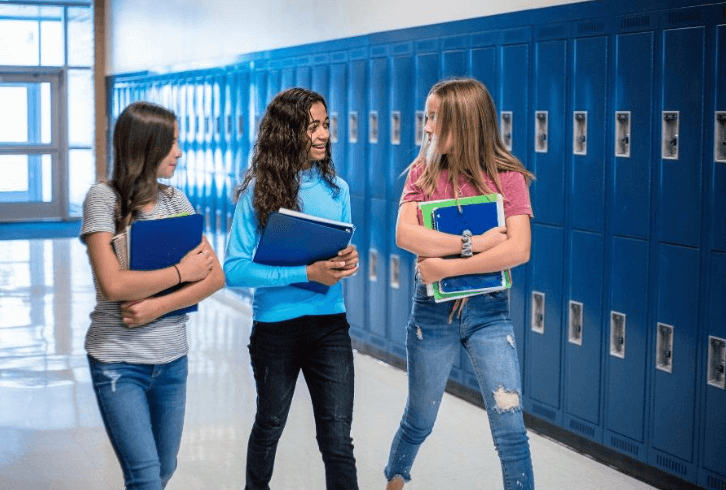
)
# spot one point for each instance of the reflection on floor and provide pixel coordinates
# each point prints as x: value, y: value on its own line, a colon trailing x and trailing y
x: 51, y: 435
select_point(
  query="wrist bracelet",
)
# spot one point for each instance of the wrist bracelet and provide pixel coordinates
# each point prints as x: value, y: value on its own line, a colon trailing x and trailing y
x: 178, y: 273
x: 466, y: 250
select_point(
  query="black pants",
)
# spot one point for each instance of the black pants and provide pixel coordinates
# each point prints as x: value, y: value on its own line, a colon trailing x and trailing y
x: 320, y: 347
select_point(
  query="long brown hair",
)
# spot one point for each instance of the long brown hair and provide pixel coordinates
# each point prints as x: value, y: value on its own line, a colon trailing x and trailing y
x: 142, y: 137
x: 281, y: 151
x: 466, y: 114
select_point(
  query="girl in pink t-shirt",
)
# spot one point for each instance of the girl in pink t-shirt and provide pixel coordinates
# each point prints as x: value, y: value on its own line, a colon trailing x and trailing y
x: 462, y: 155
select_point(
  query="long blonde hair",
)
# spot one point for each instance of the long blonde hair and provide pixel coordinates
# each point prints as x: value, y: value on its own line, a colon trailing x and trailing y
x: 466, y: 114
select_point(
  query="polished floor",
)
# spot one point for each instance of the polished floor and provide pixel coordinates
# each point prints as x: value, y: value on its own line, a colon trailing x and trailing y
x: 51, y: 435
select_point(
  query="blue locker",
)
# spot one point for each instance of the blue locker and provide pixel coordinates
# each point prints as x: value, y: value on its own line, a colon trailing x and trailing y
x: 356, y: 289
x: 454, y: 57
x: 484, y: 69
x: 675, y: 344
x: 682, y: 73
x: 713, y: 420
x: 544, y: 333
x: 274, y: 85
x: 287, y: 77
x: 426, y: 75
x: 718, y: 180
x: 589, y: 88
x: 320, y: 79
x: 625, y: 391
x: 303, y: 73
x: 338, y: 113
x: 207, y: 191
x: 402, y: 151
x: 512, y: 75
x: 241, y: 124
x: 629, y: 209
x: 583, y: 324
x: 377, y: 194
x: 548, y: 191
x: 259, y: 98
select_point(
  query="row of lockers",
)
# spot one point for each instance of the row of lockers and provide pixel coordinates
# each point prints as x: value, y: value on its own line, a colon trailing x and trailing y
x: 619, y: 315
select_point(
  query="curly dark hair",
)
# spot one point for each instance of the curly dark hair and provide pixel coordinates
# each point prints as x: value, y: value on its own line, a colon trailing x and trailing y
x: 142, y: 137
x: 281, y: 152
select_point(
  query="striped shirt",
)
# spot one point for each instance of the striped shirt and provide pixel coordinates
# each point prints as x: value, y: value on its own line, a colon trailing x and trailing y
x: 108, y: 339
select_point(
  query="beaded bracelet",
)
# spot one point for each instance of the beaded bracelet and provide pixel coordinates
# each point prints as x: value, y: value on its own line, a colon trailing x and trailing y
x: 466, y: 244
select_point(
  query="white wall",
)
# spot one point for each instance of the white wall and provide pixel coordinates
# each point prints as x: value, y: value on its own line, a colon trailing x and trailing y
x: 152, y: 34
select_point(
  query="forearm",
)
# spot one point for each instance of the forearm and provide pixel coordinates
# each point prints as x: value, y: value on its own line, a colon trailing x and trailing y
x: 129, y: 285
x: 241, y: 272
x: 506, y: 255
x: 191, y: 293
x: 426, y: 243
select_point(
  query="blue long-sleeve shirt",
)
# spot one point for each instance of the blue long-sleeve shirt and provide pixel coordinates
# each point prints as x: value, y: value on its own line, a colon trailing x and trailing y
x: 274, y: 298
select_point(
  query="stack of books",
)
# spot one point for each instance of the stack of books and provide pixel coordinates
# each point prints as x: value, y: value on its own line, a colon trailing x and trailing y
x: 476, y: 214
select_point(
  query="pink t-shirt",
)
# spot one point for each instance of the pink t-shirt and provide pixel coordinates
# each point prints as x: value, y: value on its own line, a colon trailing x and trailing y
x: 516, y: 194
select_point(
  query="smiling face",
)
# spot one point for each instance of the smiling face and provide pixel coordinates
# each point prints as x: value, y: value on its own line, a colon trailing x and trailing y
x: 168, y: 164
x: 318, y: 132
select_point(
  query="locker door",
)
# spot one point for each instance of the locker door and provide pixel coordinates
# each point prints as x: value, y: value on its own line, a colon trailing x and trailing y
x: 402, y: 151
x: 259, y: 100
x: 544, y: 332
x: 675, y: 346
x: 718, y: 181
x: 682, y: 73
x: 587, y: 143
x: 303, y: 76
x: 274, y: 86
x: 583, y: 327
x: 199, y: 147
x: 377, y: 197
x: 483, y: 68
x: 287, y: 77
x: 207, y: 176
x: 513, y: 79
x: 320, y: 81
x: 356, y: 291
x: 630, y: 213
x: 548, y: 191
x: 627, y: 349
x: 454, y: 57
x: 338, y: 113
x: 714, y: 422
x: 219, y: 148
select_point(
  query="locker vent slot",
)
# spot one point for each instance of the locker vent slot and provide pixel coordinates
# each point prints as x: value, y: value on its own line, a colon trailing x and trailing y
x: 373, y: 265
x: 505, y: 128
x: 538, y: 310
x: 684, y: 16
x: 624, y: 446
x: 588, y: 27
x: 575, y: 322
x: 635, y: 22
x: 373, y: 127
x: 671, y: 465
x: 664, y: 348
x: 395, y: 127
x: 582, y: 428
x: 333, y: 127
x: 617, y: 334
x: 353, y: 127
x: 544, y: 411
x: 669, y: 135
x: 579, y: 133
x: 714, y: 481
x: 719, y: 151
x: 541, y: 130
x: 395, y: 271
x: 716, y: 362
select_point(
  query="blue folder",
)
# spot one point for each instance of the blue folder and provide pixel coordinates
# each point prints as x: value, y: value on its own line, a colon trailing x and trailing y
x: 291, y: 238
x: 160, y: 243
x: 476, y: 218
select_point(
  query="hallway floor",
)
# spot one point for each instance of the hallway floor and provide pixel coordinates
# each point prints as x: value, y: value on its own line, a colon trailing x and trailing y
x: 52, y: 437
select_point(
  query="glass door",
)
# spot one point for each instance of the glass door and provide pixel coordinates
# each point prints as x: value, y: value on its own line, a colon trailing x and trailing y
x: 32, y: 160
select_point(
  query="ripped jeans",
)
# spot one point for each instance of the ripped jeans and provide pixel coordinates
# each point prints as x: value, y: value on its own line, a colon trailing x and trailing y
x: 142, y: 407
x: 483, y: 327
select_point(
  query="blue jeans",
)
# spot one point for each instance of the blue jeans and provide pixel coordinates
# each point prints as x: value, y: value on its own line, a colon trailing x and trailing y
x: 319, y: 346
x: 482, y: 325
x: 142, y: 406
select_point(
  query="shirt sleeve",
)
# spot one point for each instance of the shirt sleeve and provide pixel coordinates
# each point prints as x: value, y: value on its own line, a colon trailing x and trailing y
x: 239, y: 269
x: 516, y: 194
x: 98, y: 211
x: 412, y: 192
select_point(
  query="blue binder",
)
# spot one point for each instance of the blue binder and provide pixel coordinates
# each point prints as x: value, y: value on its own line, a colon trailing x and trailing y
x: 476, y: 218
x: 160, y: 243
x: 291, y: 238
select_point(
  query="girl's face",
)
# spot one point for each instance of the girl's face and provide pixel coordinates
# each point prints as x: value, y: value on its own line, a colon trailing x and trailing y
x: 318, y: 132
x: 432, y: 127
x: 168, y: 164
